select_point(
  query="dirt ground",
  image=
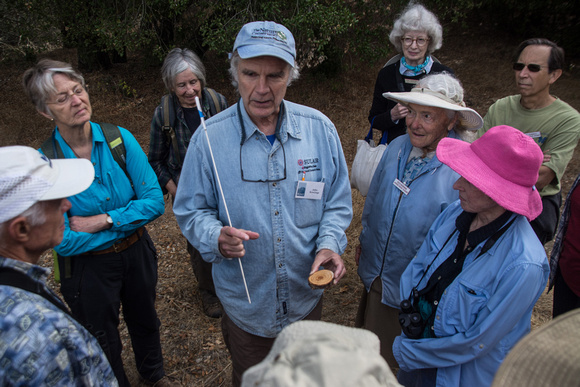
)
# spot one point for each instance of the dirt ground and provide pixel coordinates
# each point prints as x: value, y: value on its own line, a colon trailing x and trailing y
x: 127, y: 95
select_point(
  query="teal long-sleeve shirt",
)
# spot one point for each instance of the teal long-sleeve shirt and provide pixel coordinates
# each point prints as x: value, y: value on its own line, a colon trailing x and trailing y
x: 111, y: 193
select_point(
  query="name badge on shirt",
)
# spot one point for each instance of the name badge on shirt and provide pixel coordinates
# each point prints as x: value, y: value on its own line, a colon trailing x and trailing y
x: 309, y: 190
x: 534, y: 134
x: 401, y: 186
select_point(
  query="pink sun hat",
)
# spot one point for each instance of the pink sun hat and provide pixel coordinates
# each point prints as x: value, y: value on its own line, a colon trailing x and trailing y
x: 503, y: 163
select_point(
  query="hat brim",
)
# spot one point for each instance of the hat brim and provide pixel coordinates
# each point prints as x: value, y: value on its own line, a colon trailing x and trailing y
x: 74, y: 176
x: 470, y: 118
x: 256, y: 50
x: 459, y: 156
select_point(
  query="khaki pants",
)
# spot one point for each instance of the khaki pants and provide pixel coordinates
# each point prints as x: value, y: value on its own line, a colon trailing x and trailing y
x: 380, y: 319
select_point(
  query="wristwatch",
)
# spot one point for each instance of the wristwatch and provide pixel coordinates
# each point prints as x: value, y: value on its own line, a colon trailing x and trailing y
x: 109, y: 219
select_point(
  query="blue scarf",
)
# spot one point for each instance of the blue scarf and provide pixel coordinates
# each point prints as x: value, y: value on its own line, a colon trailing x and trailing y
x: 416, y: 69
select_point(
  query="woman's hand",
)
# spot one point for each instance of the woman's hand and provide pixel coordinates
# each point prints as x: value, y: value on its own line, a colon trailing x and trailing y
x: 89, y: 224
x: 399, y: 112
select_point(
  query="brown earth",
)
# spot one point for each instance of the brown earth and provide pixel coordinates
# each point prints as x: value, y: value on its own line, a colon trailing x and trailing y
x: 127, y: 95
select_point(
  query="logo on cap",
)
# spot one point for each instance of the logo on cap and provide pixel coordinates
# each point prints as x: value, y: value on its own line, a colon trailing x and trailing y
x: 263, y: 33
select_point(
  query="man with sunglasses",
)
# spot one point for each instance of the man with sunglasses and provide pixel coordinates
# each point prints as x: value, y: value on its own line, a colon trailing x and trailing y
x: 551, y: 122
x: 286, y: 198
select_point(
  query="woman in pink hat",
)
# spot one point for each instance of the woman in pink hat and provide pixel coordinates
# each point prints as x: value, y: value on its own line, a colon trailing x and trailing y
x: 468, y: 295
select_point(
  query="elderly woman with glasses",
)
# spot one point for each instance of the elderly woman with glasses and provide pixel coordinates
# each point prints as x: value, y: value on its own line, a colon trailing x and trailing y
x: 174, y: 122
x: 416, y: 34
x: 106, y: 257
x: 409, y: 190
x: 470, y: 290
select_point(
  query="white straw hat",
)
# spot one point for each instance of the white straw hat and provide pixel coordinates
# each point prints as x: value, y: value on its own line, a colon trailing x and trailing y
x: 27, y: 176
x: 470, y: 119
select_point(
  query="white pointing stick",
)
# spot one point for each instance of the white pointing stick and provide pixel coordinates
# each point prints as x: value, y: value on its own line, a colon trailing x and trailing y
x: 198, y: 104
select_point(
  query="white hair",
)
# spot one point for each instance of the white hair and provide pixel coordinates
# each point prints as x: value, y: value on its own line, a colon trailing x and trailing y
x: 416, y: 17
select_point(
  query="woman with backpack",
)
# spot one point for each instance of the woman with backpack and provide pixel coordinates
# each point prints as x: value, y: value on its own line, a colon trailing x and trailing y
x: 174, y: 122
x: 106, y: 258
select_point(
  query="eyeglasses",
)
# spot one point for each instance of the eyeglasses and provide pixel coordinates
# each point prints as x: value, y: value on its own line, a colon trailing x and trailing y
x: 534, y: 68
x: 262, y: 180
x: 408, y: 41
x: 64, y: 98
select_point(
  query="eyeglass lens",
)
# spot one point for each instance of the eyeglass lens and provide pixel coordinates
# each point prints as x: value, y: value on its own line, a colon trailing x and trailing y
x: 409, y: 41
x: 534, y: 68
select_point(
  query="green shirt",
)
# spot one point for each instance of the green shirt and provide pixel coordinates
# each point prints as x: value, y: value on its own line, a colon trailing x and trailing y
x: 555, y: 128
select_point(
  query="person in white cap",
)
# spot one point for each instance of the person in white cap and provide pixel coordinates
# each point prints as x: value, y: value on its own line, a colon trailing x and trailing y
x: 469, y: 293
x: 285, y: 182
x: 42, y: 344
x: 410, y: 188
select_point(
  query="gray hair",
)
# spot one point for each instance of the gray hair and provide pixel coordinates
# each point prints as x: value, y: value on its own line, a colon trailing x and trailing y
x: 449, y: 86
x: 38, y: 81
x: 235, y: 61
x: 177, y: 61
x: 416, y: 17
x: 35, y: 216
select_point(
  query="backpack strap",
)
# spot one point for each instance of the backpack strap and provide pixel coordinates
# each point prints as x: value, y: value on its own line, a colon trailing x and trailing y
x: 214, y: 103
x: 167, y: 128
x: 51, y: 148
x: 17, y: 279
x: 115, y: 142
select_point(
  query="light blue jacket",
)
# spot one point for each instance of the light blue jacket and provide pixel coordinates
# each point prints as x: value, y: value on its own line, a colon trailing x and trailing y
x: 292, y: 230
x: 394, y: 224
x: 485, y: 310
x: 111, y: 193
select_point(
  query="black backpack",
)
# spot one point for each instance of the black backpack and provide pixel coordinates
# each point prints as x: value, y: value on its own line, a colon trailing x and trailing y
x: 169, y: 117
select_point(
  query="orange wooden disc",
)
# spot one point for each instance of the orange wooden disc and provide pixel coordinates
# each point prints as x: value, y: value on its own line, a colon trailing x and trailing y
x: 321, y: 279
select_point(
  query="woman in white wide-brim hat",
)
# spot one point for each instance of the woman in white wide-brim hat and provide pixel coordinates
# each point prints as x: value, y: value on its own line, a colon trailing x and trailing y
x: 470, y: 290
x: 410, y: 188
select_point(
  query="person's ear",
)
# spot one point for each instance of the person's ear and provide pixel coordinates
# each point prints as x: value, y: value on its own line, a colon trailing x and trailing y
x: 453, y: 122
x: 44, y: 114
x: 554, y: 75
x: 19, y: 229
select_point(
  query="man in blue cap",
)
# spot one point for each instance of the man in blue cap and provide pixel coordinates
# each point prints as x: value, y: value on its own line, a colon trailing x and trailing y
x: 285, y: 183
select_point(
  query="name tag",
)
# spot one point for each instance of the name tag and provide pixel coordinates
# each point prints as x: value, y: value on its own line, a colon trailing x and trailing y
x: 401, y: 186
x: 309, y: 190
x: 534, y: 134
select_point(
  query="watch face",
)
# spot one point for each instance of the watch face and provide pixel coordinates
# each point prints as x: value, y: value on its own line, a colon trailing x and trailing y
x: 109, y: 219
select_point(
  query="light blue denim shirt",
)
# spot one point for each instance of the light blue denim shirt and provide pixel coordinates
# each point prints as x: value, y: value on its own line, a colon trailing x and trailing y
x: 111, y: 193
x: 292, y: 230
x: 484, y: 312
x: 395, y: 224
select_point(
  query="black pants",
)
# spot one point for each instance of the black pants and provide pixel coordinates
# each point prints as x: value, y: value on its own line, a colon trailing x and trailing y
x: 95, y: 291
x: 546, y: 223
x: 564, y: 298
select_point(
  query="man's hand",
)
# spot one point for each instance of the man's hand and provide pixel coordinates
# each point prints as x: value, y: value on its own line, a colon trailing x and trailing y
x: 399, y: 112
x: 331, y: 261
x: 89, y: 224
x: 171, y: 188
x: 231, y: 241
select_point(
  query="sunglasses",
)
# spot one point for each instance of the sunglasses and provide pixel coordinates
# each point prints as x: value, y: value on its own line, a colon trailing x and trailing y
x: 534, y: 68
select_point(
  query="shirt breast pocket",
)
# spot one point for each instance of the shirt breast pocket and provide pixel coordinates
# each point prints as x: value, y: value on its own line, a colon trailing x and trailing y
x: 471, y: 299
x: 307, y: 212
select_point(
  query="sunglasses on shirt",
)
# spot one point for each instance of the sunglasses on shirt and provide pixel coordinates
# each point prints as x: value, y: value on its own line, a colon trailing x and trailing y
x: 534, y: 68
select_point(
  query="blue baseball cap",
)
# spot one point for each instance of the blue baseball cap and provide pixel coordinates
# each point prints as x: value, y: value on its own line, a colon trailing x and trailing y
x: 266, y: 38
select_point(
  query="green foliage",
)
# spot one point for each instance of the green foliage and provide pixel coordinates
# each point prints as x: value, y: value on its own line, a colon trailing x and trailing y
x: 126, y: 90
x: 26, y: 29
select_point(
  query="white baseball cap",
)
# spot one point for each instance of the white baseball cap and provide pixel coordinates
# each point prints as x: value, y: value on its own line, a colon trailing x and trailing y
x: 27, y: 176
